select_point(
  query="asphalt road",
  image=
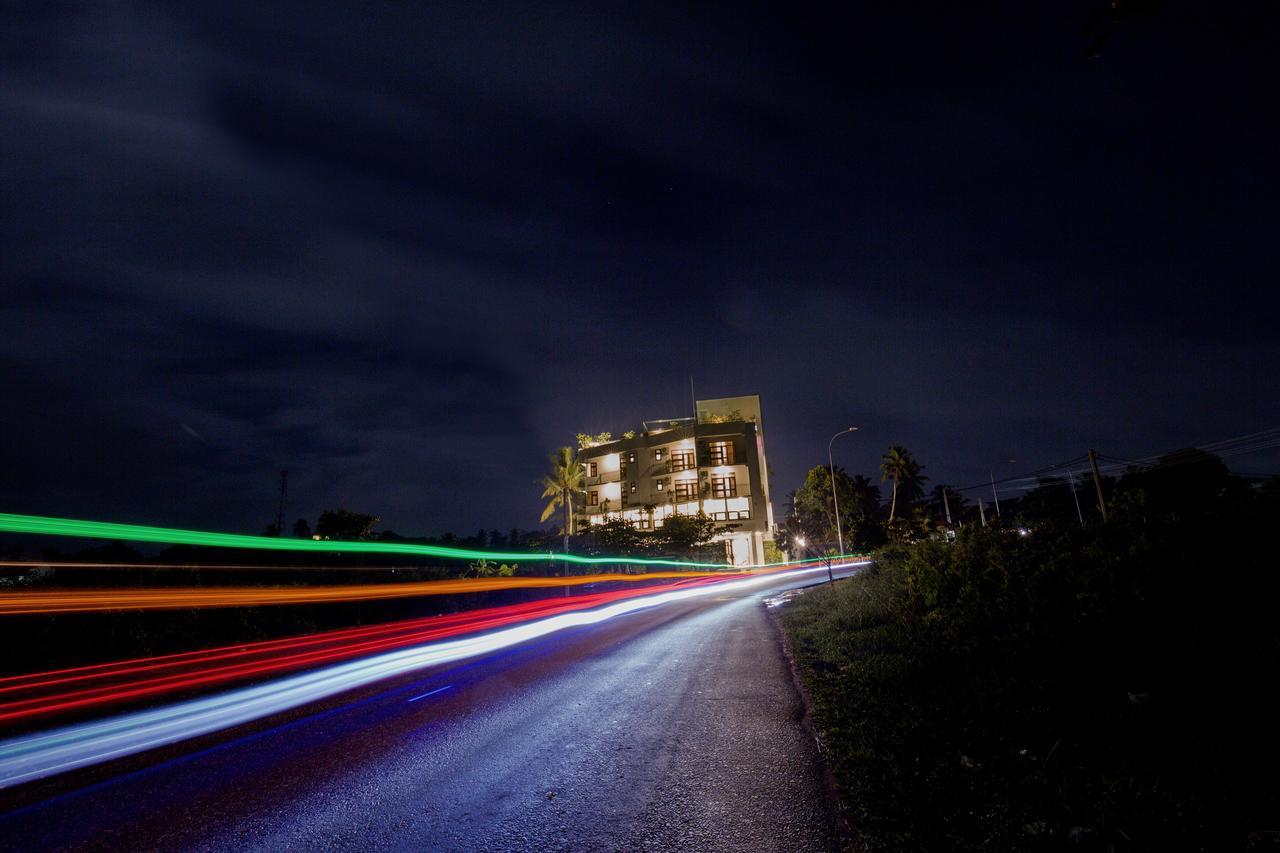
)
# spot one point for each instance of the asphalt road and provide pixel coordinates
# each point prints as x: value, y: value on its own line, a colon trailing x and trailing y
x: 675, y: 728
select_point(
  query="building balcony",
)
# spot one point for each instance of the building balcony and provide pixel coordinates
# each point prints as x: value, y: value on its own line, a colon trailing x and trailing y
x: 734, y: 515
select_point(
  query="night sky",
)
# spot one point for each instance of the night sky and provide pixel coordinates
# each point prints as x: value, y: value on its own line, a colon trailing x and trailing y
x: 406, y: 252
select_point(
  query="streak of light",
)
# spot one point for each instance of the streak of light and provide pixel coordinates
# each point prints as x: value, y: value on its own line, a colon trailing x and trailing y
x: 70, y: 564
x: 33, y: 601
x: 430, y: 693
x: 44, y: 693
x: 47, y: 526
x: 44, y: 525
x: 35, y: 756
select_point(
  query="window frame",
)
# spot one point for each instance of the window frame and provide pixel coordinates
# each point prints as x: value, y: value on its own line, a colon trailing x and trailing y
x: 724, y: 486
x: 686, y: 490
x: 720, y: 453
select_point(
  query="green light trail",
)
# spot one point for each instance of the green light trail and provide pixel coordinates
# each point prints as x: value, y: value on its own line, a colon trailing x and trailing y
x: 45, y: 526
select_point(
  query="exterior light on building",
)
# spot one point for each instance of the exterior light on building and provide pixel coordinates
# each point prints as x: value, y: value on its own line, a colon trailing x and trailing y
x: 658, y: 469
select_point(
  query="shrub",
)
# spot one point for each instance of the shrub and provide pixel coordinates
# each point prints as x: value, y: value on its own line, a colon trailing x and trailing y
x: 1014, y: 691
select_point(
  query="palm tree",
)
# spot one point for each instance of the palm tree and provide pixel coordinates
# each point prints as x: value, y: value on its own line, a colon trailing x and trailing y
x: 564, y: 481
x: 897, y: 465
x: 864, y: 499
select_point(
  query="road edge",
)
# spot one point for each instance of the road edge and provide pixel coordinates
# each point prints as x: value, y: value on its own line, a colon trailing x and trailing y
x: 847, y: 836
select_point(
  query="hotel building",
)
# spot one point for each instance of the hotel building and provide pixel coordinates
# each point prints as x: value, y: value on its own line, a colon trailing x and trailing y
x: 714, y: 463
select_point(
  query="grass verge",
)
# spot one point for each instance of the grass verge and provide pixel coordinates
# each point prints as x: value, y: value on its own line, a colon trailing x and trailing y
x: 1104, y: 689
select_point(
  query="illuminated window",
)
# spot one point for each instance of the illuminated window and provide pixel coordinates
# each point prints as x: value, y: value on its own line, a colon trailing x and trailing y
x: 631, y: 456
x: 720, y: 452
x: 687, y: 489
x: 633, y: 487
x: 682, y: 460
x: 661, y: 485
x: 593, y: 498
x: 593, y: 469
x: 657, y: 455
x: 644, y: 523
x: 724, y: 487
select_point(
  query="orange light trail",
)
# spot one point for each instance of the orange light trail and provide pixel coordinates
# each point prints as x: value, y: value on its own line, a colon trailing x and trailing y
x: 170, y: 598
x: 43, y: 693
x: 307, y: 669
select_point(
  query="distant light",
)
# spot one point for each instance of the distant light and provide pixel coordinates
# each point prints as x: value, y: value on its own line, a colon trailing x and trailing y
x: 1023, y: 531
x: 800, y: 541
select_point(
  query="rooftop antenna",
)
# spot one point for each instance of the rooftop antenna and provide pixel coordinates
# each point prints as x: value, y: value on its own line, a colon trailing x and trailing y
x: 694, y: 398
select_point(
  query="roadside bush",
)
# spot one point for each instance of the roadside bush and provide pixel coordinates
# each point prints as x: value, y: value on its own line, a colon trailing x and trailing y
x: 1106, y: 686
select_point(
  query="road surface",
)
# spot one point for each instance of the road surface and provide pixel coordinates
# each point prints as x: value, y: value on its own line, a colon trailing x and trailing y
x: 673, y: 728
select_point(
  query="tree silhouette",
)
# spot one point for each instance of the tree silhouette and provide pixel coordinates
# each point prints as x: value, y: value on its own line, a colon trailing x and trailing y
x: 898, y: 465
x: 560, y: 485
x: 812, y: 510
x: 345, y: 525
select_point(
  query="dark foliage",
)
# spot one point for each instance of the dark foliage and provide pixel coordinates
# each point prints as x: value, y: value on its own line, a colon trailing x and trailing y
x: 1106, y: 686
x: 680, y: 536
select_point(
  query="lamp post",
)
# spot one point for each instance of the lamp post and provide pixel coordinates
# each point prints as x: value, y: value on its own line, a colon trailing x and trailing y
x: 835, y: 500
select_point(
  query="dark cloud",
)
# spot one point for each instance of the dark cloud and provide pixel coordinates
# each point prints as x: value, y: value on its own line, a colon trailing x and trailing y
x: 404, y: 252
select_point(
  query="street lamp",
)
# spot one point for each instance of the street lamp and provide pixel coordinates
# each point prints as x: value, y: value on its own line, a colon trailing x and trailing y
x: 835, y: 500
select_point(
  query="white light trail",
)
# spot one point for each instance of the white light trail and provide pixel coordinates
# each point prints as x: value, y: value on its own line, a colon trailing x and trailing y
x: 43, y: 754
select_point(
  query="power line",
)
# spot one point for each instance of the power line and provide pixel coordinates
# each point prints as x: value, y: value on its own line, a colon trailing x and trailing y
x: 1114, y: 465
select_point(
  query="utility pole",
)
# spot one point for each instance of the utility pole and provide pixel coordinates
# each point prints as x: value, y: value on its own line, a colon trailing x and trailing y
x: 1072, y: 478
x: 946, y: 505
x: 994, y: 495
x: 982, y: 513
x: 284, y: 493
x: 1097, y: 484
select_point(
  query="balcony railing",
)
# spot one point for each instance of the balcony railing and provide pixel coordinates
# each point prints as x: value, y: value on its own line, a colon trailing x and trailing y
x: 732, y: 515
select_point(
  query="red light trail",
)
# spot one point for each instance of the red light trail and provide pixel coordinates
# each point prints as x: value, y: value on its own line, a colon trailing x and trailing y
x: 107, y: 683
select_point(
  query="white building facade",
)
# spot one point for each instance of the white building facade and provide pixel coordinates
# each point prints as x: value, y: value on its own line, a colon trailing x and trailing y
x: 714, y: 464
